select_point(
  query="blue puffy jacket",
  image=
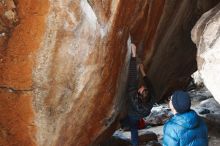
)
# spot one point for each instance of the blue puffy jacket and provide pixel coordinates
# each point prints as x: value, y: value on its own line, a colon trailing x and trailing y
x: 186, y: 129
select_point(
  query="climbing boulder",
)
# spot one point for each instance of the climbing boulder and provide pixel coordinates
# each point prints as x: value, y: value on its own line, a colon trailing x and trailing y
x: 206, y: 36
x: 63, y: 64
x: 63, y: 68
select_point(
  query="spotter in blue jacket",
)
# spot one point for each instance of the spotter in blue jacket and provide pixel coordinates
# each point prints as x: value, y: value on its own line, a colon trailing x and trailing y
x: 186, y: 129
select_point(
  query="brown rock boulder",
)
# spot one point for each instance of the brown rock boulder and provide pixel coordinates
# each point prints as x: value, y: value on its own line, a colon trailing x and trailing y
x: 63, y: 66
x: 173, y: 52
x: 63, y: 71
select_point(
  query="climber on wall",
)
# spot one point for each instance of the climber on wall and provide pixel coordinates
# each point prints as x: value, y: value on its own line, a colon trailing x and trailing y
x: 185, y: 128
x: 140, y: 100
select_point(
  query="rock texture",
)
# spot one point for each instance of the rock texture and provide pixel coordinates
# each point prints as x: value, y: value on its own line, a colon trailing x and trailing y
x: 173, y: 56
x: 63, y: 64
x: 124, y: 139
x: 206, y: 36
x: 22, y: 37
x: 8, y: 19
x: 63, y: 70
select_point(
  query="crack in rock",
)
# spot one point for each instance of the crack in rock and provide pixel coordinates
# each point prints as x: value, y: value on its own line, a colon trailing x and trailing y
x: 11, y: 89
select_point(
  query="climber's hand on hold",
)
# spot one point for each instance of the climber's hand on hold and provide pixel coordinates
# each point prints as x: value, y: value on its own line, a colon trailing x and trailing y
x: 133, y: 50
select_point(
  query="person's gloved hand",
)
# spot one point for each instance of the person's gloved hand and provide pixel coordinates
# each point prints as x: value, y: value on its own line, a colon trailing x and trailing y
x: 141, y: 89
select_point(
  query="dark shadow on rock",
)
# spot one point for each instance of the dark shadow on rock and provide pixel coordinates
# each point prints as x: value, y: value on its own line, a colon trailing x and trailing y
x: 113, y: 141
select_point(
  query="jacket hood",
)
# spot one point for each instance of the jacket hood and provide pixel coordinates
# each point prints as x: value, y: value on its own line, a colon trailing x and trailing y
x: 187, y: 120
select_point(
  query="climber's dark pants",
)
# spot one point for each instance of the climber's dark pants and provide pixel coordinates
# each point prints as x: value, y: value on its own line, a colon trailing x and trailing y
x: 131, y: 121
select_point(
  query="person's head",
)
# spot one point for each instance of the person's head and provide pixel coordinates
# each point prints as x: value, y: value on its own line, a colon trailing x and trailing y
x: 180, y: 102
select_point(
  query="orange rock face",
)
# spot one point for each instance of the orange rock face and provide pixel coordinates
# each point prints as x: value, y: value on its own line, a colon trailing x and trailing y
x: 63, y: 64
x: 17, y: 59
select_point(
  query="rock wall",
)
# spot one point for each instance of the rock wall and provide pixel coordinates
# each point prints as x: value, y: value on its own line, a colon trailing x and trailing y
x: 63, y: 70
x: 206, y: 36
x: 174, y: 54
x: 63, y: 64
x: 22, y: 24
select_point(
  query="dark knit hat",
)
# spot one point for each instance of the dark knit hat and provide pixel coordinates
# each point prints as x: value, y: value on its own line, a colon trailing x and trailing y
x: 181, y: 101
